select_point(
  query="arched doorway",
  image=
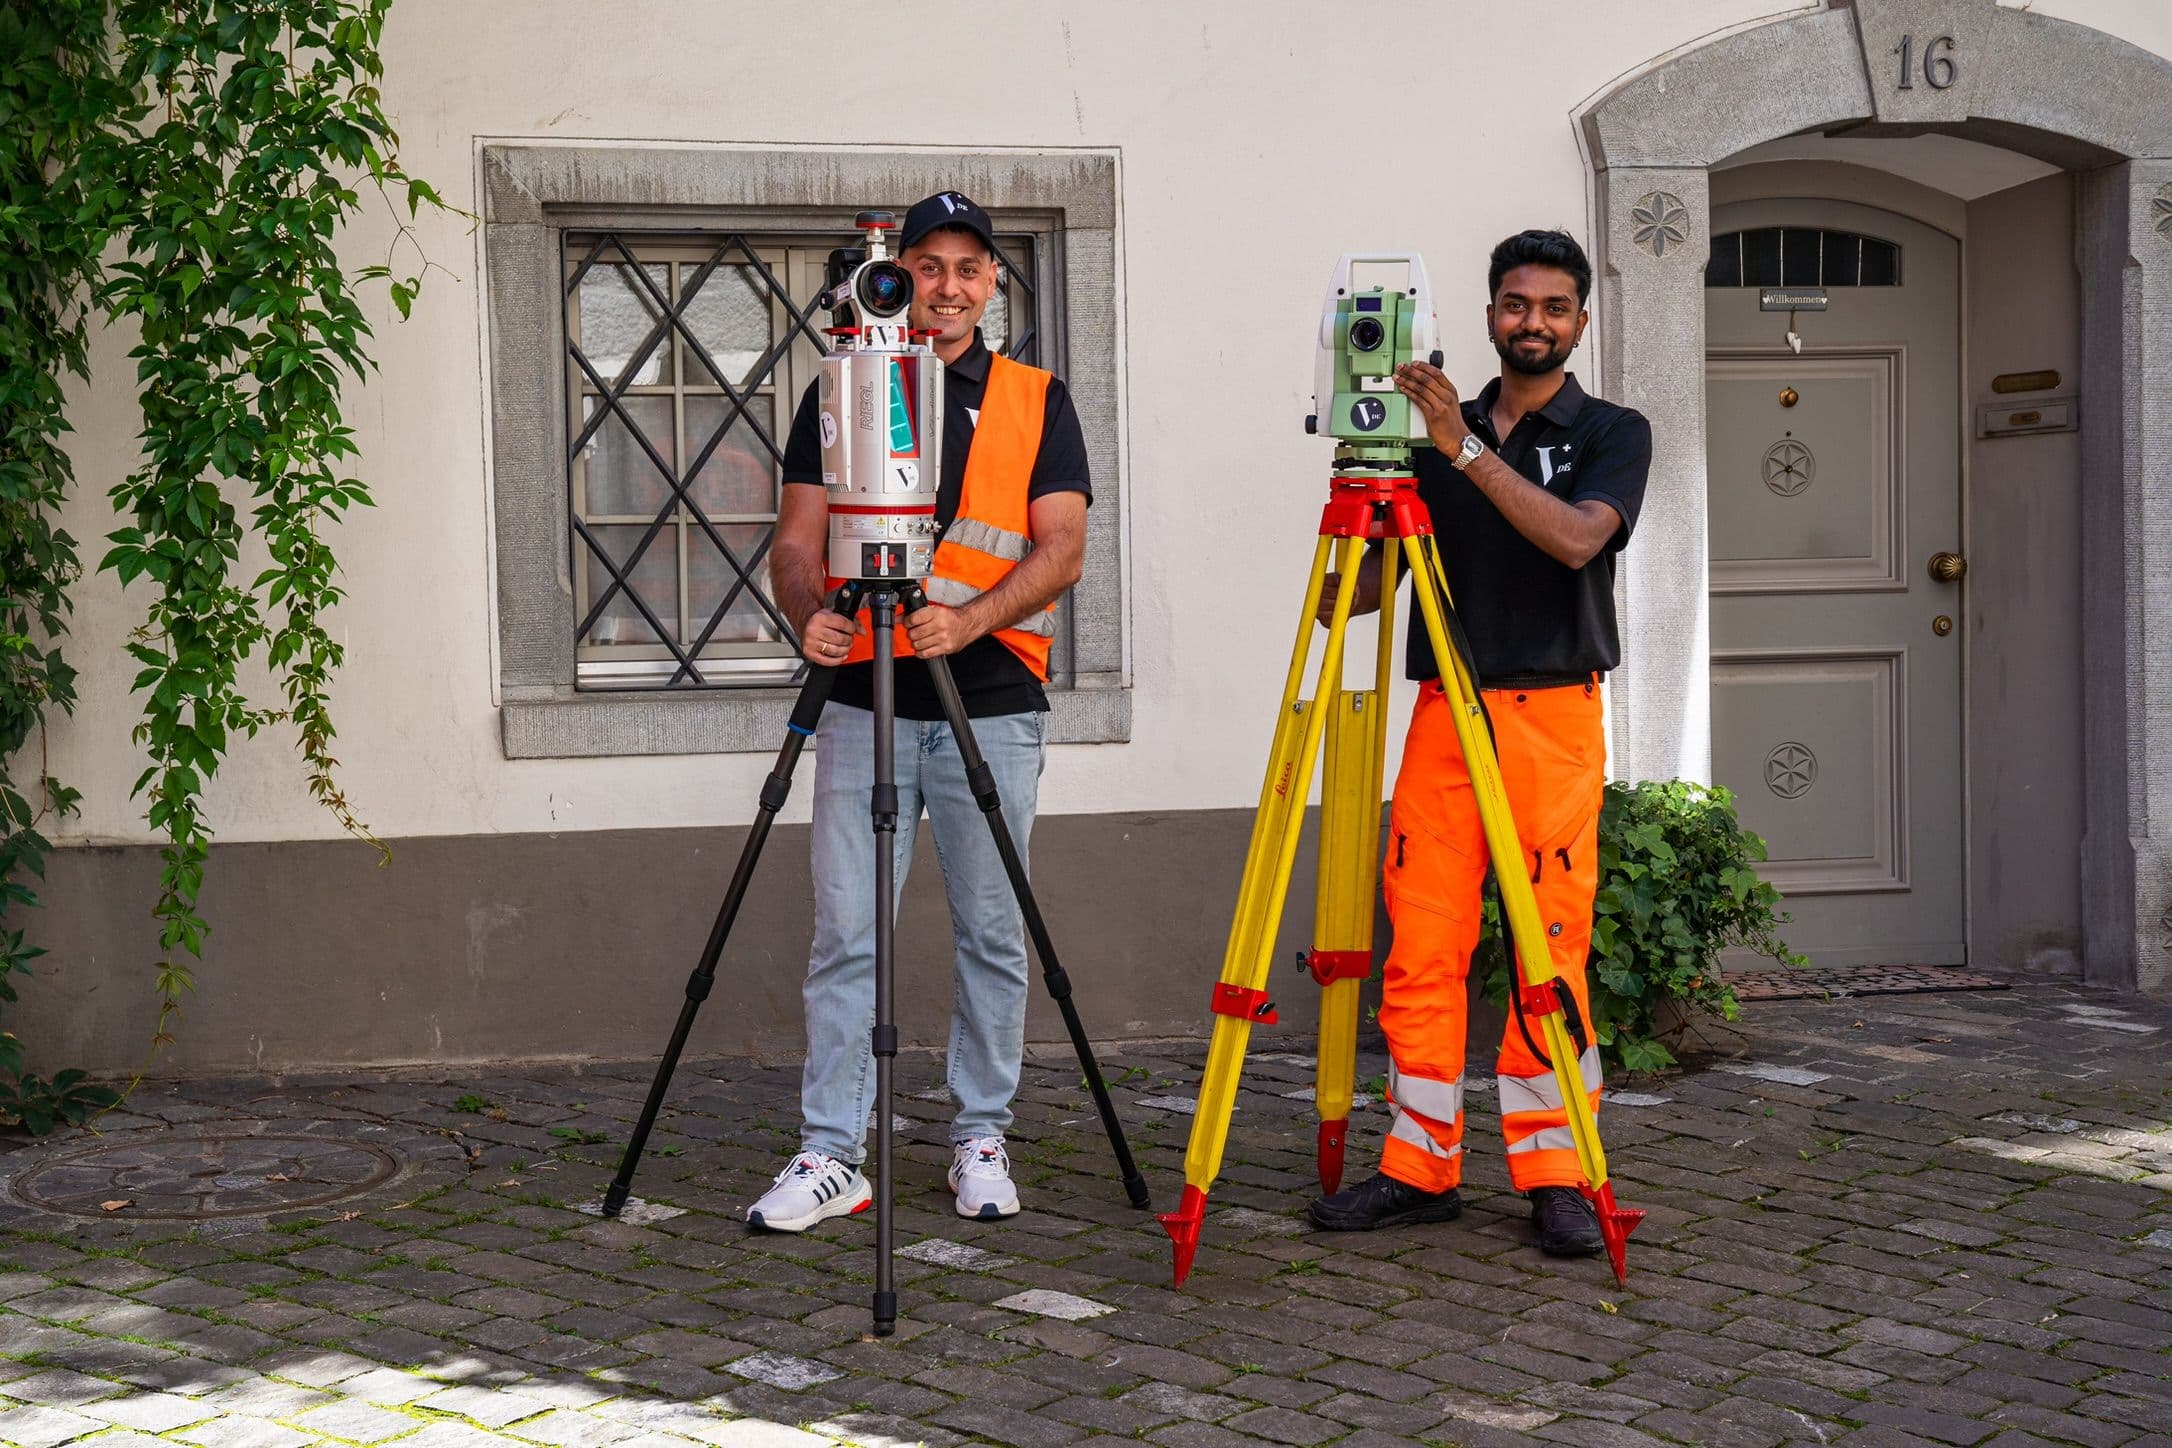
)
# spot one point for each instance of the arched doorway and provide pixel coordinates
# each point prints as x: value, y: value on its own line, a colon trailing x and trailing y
x: 2069, y: 96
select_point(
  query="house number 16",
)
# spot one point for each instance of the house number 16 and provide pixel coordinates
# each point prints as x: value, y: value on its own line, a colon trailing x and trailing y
x: 1938, y: 71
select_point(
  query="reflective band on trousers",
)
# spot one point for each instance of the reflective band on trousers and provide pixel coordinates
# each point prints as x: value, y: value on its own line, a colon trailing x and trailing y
x: 1552, y: 1138
x: 987, y: 538
x: 1441, y: 1100
x: 953, y: 594
x: 1543, y: 1093
x: 1409, y: 1131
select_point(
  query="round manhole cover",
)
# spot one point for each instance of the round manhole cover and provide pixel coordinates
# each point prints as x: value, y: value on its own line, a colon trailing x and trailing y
x: 209, y: 1175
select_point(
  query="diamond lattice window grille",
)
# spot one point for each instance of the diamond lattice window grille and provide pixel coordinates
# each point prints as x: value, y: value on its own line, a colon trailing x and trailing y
x: 686, y: 353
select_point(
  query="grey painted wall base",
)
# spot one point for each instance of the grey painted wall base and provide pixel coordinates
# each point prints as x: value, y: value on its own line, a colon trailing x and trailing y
x: 578, y: 945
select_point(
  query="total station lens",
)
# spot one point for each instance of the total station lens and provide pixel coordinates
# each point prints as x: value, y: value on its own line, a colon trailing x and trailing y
x: 885, y: 290
x: 1366, y: 334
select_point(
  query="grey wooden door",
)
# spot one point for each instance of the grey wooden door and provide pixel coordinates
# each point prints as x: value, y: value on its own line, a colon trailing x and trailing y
x: 1834, y: 477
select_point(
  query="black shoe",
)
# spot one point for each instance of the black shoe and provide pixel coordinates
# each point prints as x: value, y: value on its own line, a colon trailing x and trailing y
x: 1565, y: 1222
x: 1382, y: 1201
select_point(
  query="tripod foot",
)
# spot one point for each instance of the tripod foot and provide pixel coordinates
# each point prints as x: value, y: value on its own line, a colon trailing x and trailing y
x: 1615, y: 1224
x: 1334, y: 1135
x: 1135, y: 1188
x: 1183, y: 1225
x: 614, y: 1199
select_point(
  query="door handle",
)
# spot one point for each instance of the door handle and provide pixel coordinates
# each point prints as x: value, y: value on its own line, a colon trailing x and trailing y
x: 1948, y: 567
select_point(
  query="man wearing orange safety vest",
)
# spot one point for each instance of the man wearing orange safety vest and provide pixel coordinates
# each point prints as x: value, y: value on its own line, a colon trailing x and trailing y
x: 1533, y: 486
x: 1012, y: 504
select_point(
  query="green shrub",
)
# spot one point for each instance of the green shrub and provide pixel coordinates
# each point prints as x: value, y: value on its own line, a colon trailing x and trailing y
x: 1678, y: 884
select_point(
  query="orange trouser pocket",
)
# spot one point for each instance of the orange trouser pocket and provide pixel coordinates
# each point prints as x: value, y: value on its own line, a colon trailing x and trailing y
x: 1553, y: 765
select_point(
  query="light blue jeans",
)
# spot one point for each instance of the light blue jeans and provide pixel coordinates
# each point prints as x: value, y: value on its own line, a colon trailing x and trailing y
x: 988, y: 1011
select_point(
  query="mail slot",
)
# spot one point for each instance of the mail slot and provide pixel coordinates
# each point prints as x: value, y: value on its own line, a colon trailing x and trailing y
x: 2058, y: 414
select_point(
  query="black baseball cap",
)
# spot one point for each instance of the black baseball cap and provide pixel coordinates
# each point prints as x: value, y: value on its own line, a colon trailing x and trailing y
x: 946, y: 208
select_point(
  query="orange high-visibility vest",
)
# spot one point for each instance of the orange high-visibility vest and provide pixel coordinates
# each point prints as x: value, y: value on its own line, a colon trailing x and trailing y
x: 990, y: 534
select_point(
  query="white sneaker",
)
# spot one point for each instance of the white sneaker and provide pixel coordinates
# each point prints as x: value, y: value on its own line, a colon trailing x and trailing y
x: 980, y: 1173
x: 810, y: 1189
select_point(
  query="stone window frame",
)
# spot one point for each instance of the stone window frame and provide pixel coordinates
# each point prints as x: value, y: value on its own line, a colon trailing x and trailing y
x: 533, y: 193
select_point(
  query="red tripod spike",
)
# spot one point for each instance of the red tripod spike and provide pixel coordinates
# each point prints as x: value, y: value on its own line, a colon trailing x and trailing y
x: 1615, y: 1224
x: 1183, y: 1226
x: 1334, y: 1136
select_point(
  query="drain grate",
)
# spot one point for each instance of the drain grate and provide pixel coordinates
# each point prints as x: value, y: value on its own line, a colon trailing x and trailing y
x: 199, y: 1174
x: 1817, y: 982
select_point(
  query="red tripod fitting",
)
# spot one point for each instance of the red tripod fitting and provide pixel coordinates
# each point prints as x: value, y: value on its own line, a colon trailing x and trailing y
x: 1246, y: 1005
x: 1374, y: 506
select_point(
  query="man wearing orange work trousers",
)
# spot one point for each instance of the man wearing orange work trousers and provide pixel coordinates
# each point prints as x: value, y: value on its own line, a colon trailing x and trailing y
x: 1533, y: 486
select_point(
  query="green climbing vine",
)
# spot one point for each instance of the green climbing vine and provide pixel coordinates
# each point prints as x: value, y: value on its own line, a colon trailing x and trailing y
x: 220, y: 146
x: 57, y: 89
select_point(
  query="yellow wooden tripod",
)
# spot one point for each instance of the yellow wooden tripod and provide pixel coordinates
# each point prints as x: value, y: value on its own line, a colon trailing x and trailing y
x: 1365, y: 503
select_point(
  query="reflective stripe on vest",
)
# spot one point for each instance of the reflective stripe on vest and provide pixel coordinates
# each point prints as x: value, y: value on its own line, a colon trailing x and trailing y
x: 987, y: 538
x: 953, y: 594
x: 992, y: 531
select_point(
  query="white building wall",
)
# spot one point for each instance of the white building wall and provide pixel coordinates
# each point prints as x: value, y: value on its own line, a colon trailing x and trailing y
x: 1257, y: 141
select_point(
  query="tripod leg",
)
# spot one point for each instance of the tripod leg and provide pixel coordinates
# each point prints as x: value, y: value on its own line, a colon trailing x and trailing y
x: 1342, y: 934
x: 1350, y: 795
x: 1537, y: 991
x: 883, y: 812
x: 805, y: 713
x: 982, y: 781
x: 1240, y: 997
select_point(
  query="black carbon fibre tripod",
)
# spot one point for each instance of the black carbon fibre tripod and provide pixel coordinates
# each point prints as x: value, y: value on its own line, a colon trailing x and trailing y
x: 884, y: 600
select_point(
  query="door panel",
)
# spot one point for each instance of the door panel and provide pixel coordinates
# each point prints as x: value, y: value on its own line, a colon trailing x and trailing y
x: 1834, y: 474
x: 1819, y: 741
x: 1803, y: 497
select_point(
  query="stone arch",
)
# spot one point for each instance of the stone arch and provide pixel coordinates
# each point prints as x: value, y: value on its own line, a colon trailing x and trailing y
x: 2067, y: 94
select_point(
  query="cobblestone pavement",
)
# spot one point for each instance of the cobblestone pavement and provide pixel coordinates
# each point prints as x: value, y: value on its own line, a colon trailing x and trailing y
x: 1901, y: 1220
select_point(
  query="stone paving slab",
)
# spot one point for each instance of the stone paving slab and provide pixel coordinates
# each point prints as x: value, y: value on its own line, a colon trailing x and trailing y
x: 1896, y: 1220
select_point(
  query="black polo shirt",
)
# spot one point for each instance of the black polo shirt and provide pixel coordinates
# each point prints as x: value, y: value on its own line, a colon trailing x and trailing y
x: 991, y: 679
x: 1527, y: 616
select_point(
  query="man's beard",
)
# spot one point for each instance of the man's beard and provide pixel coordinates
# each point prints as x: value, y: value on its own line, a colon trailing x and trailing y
x: 1532, y: 364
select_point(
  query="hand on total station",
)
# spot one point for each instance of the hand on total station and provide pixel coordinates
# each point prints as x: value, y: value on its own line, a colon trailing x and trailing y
x: 825, y: 638
x: 937, y: 630
x: 1437, y: 400
x: 1367, y: 599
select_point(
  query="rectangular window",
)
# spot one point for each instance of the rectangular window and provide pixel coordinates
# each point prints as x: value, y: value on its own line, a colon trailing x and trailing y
x: 686, y: 354
x: 650, y: 328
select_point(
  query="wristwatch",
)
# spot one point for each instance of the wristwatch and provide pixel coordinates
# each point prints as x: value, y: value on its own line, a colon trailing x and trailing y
x: 1468, y: 453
